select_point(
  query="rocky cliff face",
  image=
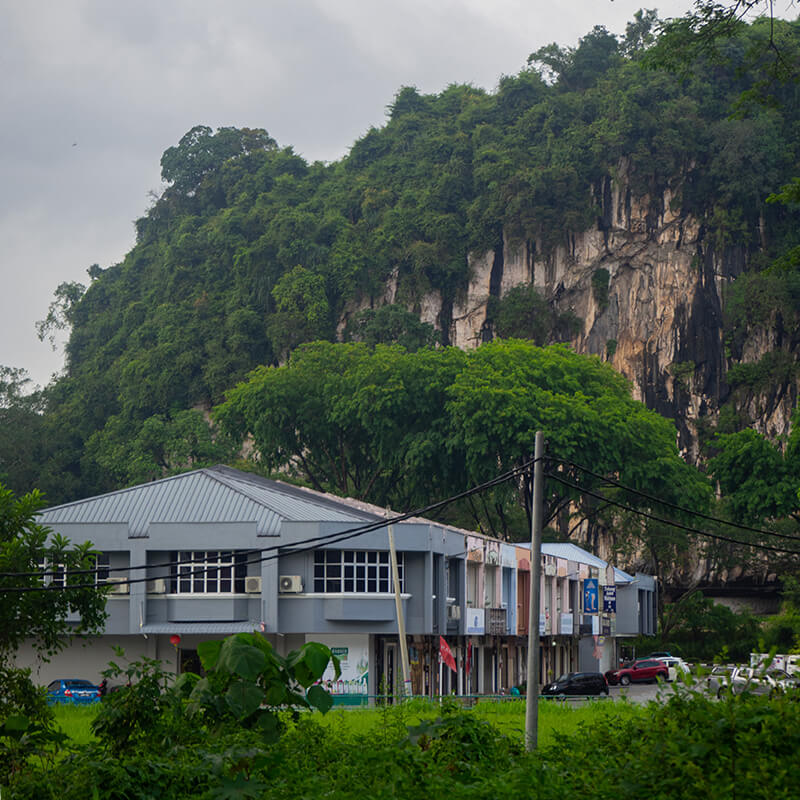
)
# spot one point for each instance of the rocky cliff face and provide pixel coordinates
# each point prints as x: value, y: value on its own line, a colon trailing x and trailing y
x: 649, y: 293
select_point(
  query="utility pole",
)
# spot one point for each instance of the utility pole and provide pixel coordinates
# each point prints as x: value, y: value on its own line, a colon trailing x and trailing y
x: 401, y: 623
x: 532, y: 694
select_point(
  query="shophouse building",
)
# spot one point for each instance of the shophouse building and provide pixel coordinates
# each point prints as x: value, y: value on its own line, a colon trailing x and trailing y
x: 218, y: 551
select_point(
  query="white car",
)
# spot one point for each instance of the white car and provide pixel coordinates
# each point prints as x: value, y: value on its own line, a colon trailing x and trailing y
x: 675, y: 665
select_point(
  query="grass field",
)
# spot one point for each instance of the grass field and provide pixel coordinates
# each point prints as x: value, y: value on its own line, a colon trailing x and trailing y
x: 555, y: 718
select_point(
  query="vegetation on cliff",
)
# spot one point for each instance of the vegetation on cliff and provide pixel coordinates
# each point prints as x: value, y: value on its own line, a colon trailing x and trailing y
x: 251, y: 251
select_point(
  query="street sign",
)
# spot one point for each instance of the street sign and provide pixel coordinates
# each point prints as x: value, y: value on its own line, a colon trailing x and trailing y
x: 610, y: 599
x: 590, y: 592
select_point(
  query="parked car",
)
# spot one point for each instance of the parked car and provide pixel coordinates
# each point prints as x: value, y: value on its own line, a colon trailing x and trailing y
x: 757, y: 681
x: 72, y: 690
x: 577, y: 683
x: 675, y: 665
x: 719, y: 677
x: 644, y: 670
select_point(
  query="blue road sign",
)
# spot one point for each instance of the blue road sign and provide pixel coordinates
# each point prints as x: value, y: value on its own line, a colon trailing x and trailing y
x: 590, y: 592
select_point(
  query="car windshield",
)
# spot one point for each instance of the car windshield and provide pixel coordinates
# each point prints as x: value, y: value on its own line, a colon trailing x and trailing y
x: 563, y: 678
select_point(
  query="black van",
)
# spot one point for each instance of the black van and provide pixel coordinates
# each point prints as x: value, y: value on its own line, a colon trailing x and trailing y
x: 577, y: 683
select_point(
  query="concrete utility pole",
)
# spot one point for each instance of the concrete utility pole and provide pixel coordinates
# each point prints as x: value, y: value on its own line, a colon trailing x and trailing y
x: 401, y: 623
x: 537, y: 501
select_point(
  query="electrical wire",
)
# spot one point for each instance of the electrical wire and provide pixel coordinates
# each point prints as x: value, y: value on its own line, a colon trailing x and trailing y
x: 668, y: 504
x: 672, y: 523
x: 280, y: 549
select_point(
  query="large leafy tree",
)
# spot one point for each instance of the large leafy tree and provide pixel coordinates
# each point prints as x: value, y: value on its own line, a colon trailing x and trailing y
x: 399, y: 428
x: 29, y: 610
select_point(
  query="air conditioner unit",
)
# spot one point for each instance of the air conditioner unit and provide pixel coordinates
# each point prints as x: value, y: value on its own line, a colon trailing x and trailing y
x: 252, y: 584
x: 550, y: 570
x: 290, y: 584
x: 157, y: 586
x: 118, y: 585
x: 454, y: 612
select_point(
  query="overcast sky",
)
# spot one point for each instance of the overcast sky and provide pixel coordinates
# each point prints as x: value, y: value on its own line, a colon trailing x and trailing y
x: 93, y: 92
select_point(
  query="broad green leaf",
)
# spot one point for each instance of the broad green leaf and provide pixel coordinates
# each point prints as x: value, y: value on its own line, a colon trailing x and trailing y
x: 238, y: 657
x: 243, y: 698
x: 319, y: 698
x: 208, y: 652
x: 316, y: 657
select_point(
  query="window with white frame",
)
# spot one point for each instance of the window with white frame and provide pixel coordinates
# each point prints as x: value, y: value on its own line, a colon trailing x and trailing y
x: 56, y: 574
x: 356, y: 571
x: 208, y: 572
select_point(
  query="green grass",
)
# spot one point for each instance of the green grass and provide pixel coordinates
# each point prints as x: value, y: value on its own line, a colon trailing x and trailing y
x: 555, y: 718
x: 76, y: 721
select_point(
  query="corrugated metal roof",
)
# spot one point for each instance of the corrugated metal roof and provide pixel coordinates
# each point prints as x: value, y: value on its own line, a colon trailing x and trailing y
x: 620, y: 576
x: 216, y: 494
x: 571, y: 552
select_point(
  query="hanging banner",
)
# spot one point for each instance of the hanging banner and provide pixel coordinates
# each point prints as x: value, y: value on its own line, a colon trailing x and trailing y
x: 446, y: 654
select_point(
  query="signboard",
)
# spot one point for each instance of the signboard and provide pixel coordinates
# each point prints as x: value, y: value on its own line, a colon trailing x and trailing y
x: 590, y: 594
x: 476, y: 621
x: 542, y: 624
x: 566, y: 624
x: 352, y: 650
x: 610, y: 599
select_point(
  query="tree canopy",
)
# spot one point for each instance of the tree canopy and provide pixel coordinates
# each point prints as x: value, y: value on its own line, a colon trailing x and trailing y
x: 400, y: 428
x: 38, y: 614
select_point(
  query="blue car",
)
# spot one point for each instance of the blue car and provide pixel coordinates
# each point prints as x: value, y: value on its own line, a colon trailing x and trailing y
x: 72, y: 690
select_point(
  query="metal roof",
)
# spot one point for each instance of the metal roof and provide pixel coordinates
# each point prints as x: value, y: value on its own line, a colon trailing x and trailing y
x: 215, y: 494
x: 571, y: 552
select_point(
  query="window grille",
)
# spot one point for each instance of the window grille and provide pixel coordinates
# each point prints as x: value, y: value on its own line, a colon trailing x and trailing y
x: 208, y: 572
x: 356, y: 571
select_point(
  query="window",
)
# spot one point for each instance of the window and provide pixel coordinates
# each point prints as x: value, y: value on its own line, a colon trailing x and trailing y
x: 208, y: 572
x: 57, y: 573
x: 356, y: 571
x: 102, y: 564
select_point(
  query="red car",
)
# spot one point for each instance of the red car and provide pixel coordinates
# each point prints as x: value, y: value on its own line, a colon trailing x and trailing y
x: 643, y: 671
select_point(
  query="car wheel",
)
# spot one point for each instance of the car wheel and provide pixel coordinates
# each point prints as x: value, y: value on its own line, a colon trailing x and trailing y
x: 605, y: 689
x: 625, y: 680
x: 720, y: 692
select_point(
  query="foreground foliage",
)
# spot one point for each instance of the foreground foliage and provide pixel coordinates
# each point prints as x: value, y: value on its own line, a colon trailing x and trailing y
x: 689, y: 747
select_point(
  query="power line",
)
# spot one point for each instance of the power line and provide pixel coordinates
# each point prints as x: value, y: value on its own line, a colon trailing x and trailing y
x: 280, y: 549
x: 668, y: 504
x: 672, y: 523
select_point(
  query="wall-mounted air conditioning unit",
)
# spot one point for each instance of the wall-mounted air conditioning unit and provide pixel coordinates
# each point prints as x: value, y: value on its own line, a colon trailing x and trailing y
x: 550, y: 570
x: 454, y: 612
x: 252, y: 584
x: 290, y: 584
x: 157, y: 586
x: 118, y: 584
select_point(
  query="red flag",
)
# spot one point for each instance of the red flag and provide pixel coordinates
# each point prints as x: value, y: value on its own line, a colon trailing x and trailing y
x: 469, y: 656
x: 446, y: 654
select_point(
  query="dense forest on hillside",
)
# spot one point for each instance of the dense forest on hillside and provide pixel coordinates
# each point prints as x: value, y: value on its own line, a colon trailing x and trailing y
x: 250, y: 251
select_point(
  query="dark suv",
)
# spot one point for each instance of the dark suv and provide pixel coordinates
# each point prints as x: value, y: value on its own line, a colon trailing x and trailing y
x: 577, y: 683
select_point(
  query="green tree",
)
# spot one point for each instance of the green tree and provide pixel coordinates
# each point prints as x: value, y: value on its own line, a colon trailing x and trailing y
x: 399, y: 428
x: 29, y: 610
x: 200, y: 151
x: 390, y: 324
x: 158, y: 447
x: 757, y: 482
